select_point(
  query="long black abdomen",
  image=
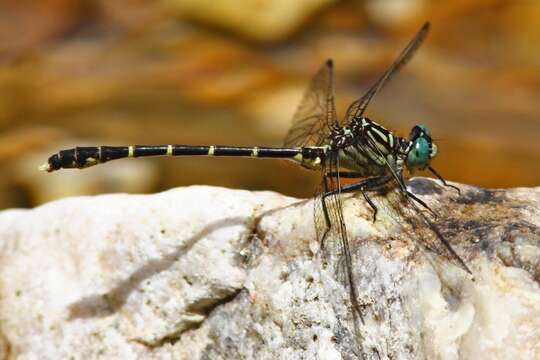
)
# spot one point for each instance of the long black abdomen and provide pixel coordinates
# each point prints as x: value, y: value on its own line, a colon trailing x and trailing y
x: 82, y: 157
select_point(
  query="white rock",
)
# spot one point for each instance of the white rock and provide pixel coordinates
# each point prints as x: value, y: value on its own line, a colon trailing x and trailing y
x: 205, y: 272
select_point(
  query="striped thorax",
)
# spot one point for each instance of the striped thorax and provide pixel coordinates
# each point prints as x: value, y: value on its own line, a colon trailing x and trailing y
x: 368, y: 148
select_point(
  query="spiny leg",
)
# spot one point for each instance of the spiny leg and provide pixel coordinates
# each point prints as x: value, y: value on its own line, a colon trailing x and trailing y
x: 373, y: 206
x: 345, y: 174
x: 444, y: 181
x: 447, y: 244
x: 421, y: 202
x: 327, y: 221
x: 415, y: 198
x: 370, y: 184
x: 373, y: 184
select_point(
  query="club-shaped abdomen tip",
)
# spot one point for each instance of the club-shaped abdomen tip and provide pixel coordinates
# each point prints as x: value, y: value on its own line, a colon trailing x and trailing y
x: 52, y: 164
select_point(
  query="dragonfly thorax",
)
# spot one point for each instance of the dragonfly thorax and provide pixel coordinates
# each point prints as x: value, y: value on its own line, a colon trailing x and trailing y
x: 368, y: 148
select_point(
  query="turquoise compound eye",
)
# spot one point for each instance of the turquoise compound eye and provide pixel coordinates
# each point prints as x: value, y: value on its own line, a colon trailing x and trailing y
x: 419, y: 155
x: 424, y: 129
x: 418, y: 131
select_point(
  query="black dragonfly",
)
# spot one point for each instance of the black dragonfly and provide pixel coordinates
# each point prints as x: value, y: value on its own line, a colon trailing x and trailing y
x: 354, y: 147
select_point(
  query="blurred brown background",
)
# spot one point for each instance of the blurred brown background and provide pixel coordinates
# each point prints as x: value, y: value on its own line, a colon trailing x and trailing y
x: 231, y: 72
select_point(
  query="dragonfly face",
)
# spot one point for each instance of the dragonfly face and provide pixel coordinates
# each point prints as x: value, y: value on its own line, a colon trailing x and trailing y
x: 421, y: 148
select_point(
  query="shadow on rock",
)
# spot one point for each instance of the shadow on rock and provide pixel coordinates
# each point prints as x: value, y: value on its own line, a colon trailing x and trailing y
x: 106, y: 304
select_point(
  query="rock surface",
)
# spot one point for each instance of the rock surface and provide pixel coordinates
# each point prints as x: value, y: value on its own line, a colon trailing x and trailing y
x: 262, y: 20
x: 201, y: 272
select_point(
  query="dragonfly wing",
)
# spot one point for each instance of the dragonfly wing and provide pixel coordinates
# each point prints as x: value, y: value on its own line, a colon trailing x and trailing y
x: 402, y: 206
x: 357, y: 108
x: 316, y: 113
x: 404, y: 213
x: 332, y: 234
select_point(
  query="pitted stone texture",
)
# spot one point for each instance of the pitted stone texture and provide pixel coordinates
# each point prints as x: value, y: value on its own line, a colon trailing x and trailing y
x: 203, y: 272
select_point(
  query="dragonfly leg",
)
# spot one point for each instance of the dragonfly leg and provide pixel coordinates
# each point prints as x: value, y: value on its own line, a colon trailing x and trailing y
x: 421, y: 202
x: 325, y: 213
x: 363, y: 186
x: 345, y: 174
x: 373, y: 206
x: 444, y: 181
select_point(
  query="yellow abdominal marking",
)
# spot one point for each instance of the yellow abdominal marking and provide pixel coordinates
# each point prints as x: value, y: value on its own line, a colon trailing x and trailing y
x: 312, y: 163
x: 44, y: 167
x: 255, y: 152
x: 211, y: 151
x: 169, y: 150
x: 91, y: 161
x: 308, y: 163
x: 130, y: 151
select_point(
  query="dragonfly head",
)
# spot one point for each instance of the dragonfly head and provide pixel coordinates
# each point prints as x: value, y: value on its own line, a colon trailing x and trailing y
x: 421, y: 149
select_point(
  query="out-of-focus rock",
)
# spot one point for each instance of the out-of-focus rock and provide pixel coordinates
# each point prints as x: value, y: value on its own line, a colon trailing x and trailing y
x: 35, y: 24
x: 392, y: 12
x: 265, y: 20
x: 115, y: 69
x: 204, y: 272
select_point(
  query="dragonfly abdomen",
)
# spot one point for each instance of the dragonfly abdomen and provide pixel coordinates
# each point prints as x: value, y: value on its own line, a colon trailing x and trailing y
x: 83, y: 157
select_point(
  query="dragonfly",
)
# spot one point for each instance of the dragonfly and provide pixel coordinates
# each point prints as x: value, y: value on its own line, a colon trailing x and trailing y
x: 353, y: 147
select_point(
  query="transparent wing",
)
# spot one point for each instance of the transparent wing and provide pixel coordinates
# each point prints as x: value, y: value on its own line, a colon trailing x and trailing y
x: 357, y: 108
x: 316, y: 113
x: 413, y: 221
x: 332, y: 234
x: 404, y: 207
